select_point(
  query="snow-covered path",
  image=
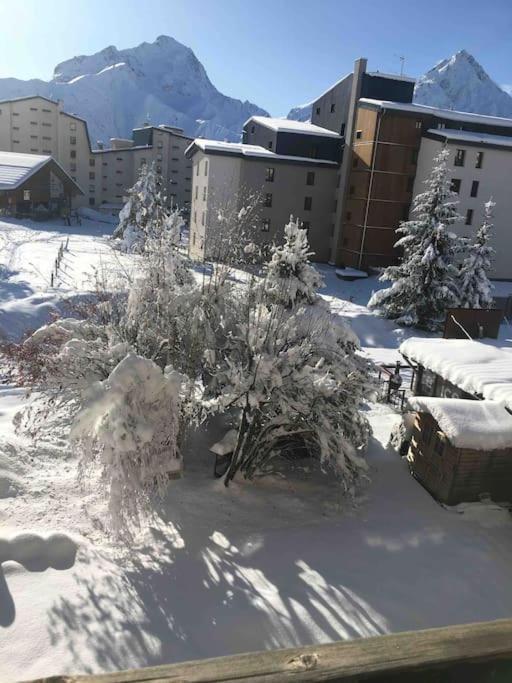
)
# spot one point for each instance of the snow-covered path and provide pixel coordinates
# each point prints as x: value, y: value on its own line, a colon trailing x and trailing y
x: 272, y: 563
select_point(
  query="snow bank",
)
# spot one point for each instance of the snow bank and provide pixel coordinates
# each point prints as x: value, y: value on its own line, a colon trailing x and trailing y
x: 474, y: 367
x: 37, y: 552
x: 479, y: 425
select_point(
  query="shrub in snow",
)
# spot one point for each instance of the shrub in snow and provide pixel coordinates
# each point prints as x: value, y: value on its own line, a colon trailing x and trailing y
x: 292, y: 378
x: 290, y: 278
x: 130, y: 425
x: 475, y: 287
x: 426, y: 281
x: 144, y: 211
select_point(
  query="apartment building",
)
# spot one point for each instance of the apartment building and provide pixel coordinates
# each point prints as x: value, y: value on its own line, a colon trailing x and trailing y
x: 389, y: 145
x: 293, y: 168
x: 38, y: 125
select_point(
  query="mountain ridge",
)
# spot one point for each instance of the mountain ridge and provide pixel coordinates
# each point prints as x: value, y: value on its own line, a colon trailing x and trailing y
x: 118, y: 90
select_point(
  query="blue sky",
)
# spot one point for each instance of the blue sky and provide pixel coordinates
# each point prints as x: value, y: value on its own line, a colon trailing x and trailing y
x: 277, y: 53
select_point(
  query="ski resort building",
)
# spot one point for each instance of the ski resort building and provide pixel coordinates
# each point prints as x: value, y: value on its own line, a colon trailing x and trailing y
x: 382, y: 145
x: 293, y: 168
x: 38, y: 125
x: 34, y: 185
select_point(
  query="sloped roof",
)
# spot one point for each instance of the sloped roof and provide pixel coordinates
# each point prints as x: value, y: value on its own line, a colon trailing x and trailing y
x: 485, y: 139
x: 242, y: 150
x: 16, y: 169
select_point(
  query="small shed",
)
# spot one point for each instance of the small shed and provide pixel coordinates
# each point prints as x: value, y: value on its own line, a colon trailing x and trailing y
x: 461, y: 449
x: 33, y: 184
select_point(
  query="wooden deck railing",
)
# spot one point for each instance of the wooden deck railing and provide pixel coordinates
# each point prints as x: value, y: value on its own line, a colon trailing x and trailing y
x: 472, y: 653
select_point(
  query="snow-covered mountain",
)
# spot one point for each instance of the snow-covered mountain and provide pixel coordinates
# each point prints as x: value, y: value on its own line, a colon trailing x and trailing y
x: 301, y: 113
x: 460, y: 83
x: 117, y: 90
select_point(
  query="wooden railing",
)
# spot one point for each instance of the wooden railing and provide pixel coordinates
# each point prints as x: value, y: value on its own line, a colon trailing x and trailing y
x: 472, y: 653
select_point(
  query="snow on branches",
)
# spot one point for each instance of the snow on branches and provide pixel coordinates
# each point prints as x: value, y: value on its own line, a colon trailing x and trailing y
x: 129, y: 424
x: 475, y: 287
x: 426, y: 281
x: 290, y: 278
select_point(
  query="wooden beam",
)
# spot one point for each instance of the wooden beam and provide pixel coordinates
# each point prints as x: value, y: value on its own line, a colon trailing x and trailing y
x: 380, y: 659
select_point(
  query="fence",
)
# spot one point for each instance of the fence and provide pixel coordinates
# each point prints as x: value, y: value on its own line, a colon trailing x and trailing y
x: 472, y: 653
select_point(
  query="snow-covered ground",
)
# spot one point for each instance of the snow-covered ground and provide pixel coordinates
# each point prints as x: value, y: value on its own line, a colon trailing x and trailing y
x: 272, y: 563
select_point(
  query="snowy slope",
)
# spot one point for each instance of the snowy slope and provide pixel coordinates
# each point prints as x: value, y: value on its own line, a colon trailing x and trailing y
x: 460, y: 83
x: 301, y: 113
x: 116, y: 90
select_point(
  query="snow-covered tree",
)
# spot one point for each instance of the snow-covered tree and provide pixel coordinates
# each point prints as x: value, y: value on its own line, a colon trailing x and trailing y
x: 475, y: 288
x: 290, y: 278
x: 144, y: 211
x: 426, y: 281
x: 129, y: 424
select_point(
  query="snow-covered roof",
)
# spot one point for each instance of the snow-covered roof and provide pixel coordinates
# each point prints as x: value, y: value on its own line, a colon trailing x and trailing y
x: 393, y: 77
x: 436, y: 111
x: 479, y: 425
x: 475, y: 138
x: 472, y: 366
x: 16, y: 168
x: 290, y: 126
x: 241, y: 149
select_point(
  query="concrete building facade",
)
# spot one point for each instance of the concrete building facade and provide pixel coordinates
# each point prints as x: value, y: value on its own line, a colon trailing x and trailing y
x: 302, y: 186
x: 38, y: 125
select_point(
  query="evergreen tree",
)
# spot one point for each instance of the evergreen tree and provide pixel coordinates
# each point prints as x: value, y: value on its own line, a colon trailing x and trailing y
x: 426, y: 281
x: 290, y: 277
x: 143, y: 213
x: 475, y: 285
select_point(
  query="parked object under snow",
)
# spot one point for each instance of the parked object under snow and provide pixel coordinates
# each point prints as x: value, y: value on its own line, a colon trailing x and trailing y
x: 479, y: 369
x: 461, y: 449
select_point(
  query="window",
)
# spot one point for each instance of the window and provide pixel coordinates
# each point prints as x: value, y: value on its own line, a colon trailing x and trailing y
x: 439, y: 444
x: 348, y: 215
x: 479, y: 159
x: 455, y: 185
x: 206, y: 167
x: 314, y: 151
x: 16, y: 142
x: 474, y: 188
x: 351, y: 189
x: 33, y: 108
x: 359, y: 134
x: 310, y: 178
x: 159, y: 157
x: 308, y: 203
x: 92, y: 175
x: 410, y: 183
x: 204, y: 193
x: 197, y: 190
x: 460, y: 155
x: 418, y: 125
x: 26, y: 195
x: 469, y: 216
x: 17, y: 128
x: 91, y: 188
x: 92, y: 201
x: 72, y: 140
x: 48, y: 125
x: 317, y: 111
x: 270, y: 144
x: 34, y: 151
x: 414, y: 156
x: 333, y: 108
x: 335, y: 206
x: 119, y: 172
x: 45, y: 137
x: 202, y: 218
x: 193, y: 239
x: 265, y: 226
x: 338, y: 180
x: 176, y: 159
x: 159, y: 169
x: 252, y: 129
x: 197, y: 169
x: 342, y: 129
x: 32, y: 137
x: 92, y: 162
x: 15, y: 113
x: 33, y: 123
x: 119, y: 158
x: 305, y: 225
x: 72, y: 167
x: 72, y: 125
x: 441, y: 125
x: 48, y: 111
x: 268, y: 199
x: 195, y: 216
x: 72, y: 154
x: 269, y: 175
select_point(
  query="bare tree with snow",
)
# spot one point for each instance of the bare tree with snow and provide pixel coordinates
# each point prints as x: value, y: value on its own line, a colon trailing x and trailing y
x: 475, y: 287
x: 426, y: 281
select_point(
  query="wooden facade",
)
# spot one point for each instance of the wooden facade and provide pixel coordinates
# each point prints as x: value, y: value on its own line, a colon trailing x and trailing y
x: 379, y: 193
x: 455, y: 475
x: 49, y: 189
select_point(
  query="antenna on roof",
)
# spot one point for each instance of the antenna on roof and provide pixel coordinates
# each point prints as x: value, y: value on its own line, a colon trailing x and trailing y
x: 402, y: 63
